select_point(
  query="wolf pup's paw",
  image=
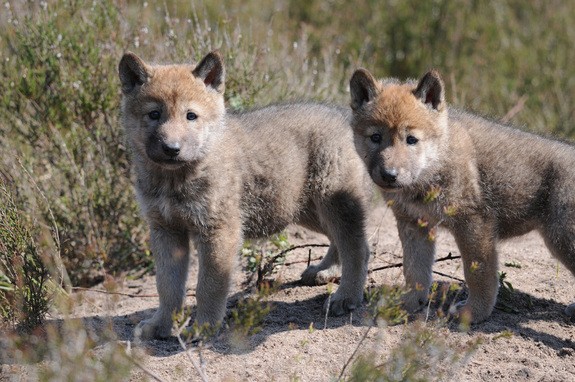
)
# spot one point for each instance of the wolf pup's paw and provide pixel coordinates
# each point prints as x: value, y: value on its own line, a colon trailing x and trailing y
x: 151, y: 329
x: 466, y: 313
x: 339, y: 303
x: 414, y: 300
x: 314, y: 275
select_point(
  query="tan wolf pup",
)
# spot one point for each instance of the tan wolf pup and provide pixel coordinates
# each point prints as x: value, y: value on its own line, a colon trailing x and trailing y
x: 212, y: 178
x: 481, y: 180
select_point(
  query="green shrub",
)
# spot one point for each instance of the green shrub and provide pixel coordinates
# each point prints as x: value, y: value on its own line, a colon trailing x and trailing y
x: 385, y: 305
x: 493, y: 55
x: 69, y: 351
x: 24, y: 295
x: 58, y: 118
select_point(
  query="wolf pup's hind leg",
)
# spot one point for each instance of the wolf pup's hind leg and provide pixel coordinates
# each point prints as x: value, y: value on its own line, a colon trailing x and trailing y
x: 327, y: 269
x: 559, y: 232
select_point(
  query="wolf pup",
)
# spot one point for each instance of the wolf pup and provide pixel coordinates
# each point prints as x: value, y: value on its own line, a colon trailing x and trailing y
x: 212, y: 179
x: 481, y: 180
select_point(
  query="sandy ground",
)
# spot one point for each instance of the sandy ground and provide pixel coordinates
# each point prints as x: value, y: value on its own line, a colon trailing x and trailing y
x: 529, y: 339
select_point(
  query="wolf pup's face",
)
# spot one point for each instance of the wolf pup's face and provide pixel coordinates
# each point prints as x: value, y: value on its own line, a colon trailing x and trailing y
x: 171, y: 112
x: 399, y: 129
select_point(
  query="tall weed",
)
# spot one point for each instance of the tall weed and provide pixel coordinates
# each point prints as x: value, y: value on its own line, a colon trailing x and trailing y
x: 24, y: 289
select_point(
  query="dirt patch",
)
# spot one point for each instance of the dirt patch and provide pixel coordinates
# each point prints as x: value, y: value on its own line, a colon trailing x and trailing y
x: 527, y: 338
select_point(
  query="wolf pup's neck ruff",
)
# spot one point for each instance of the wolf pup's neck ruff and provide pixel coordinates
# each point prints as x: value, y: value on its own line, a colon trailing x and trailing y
x: 211, y: 179
x: 482, y: 180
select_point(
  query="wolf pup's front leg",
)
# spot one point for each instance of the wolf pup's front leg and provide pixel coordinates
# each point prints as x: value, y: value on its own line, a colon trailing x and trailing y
x: 418, y: 258
x: 476, y: 240
x: 171, y: 249
x: 217, y: 259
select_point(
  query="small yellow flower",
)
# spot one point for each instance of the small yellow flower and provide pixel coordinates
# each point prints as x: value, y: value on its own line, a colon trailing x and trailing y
x: 432, y: 194
x: 432, y: 234
x: 474, y: 266
x: 450, y: 210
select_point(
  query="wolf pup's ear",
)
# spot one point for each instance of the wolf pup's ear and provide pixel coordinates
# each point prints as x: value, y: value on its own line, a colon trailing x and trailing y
x: 211, y: 71
x: 430, y: 90
x: 133, y: 72
x: 362, y: 87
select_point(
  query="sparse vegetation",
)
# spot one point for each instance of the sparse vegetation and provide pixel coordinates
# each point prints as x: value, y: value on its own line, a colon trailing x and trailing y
x: 70, y: 352
x: 59, y: 110
x: 24, y: 289
x: 262, y: 261
x: 505, y: 295
x: 248, y: 315
x: 385, y: 305
x: 65, y: 179
x: 422, y: 355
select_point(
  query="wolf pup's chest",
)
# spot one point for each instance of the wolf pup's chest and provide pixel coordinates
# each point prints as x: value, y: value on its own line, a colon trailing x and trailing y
x: 431, y: 208
x: 187, y: 204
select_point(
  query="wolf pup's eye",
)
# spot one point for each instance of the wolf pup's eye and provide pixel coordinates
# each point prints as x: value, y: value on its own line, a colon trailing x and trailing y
x: 411, y: 140
x: 375, y: 138
x: 154, y: 115
x: 191, y: 116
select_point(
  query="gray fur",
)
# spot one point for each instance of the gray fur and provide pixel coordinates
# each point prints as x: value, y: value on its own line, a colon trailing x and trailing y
x: 491, y: 181
x: 237, y: 176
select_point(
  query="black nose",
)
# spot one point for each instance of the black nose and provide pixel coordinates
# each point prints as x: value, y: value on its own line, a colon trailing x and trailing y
x: 389, y: 176
x: 171, y: 149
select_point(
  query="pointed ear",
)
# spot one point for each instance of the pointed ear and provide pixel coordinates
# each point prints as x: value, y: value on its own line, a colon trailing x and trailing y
x: 430, y: 90
x: 363, y: 88
x: 133, y: 72
x: 211, y: 71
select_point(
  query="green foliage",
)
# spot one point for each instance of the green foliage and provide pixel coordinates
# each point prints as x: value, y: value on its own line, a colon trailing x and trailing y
x: 259, y: 255
x: 70, y: 352
x: 513, y: 264
x: 493, y: 55
x: 193, y: 333
x: 443, y: 294
x: 248, y: 315
x: 505, y: 296
x: 58, y: 118
x: 385, y: 305
x: 24, y: 294
x: 423, y: 354
x: 505, y: 334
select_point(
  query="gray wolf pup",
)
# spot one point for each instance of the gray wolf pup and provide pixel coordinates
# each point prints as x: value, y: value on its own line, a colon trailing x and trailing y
x: 212, y: 179
x: 481, y: 180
